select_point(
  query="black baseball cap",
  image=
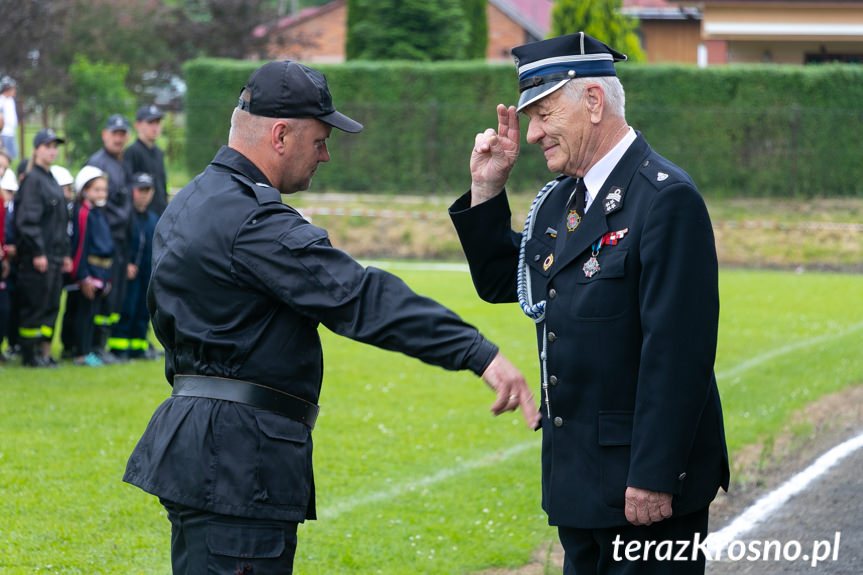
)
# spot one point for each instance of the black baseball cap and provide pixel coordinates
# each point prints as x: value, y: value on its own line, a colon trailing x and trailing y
x: 148, y: 113
x: 142, y: 180
x: 117, y: 123
x: 46, y: 136
x: 287, y: 89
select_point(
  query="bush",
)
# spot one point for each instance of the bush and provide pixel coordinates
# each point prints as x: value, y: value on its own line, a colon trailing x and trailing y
x: 761, y: 130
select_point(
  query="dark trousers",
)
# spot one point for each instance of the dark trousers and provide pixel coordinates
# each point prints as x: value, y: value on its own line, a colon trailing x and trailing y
x: 38, y: 298
x: 664, y: 548
x: 204, y: 543
x: 83, y: 311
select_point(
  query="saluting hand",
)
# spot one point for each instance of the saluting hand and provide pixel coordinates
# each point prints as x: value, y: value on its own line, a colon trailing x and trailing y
x: 512, y: 390
x: 494, y: 154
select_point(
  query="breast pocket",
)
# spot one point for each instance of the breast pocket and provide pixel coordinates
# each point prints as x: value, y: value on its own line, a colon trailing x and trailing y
x: 604, y: 295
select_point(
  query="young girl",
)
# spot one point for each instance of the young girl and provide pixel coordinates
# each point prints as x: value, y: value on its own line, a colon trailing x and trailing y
x: 92, y: 252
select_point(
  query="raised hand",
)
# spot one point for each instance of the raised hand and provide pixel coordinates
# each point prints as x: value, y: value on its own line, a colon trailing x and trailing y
x: 494, y: 154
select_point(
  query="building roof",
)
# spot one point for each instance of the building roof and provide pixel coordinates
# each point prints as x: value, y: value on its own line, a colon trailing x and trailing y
x: 532, y: 15
x: 303, y: 15
x: 660, y: 10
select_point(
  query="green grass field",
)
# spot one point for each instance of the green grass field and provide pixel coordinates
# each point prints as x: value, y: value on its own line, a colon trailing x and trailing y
x: 413, y: 473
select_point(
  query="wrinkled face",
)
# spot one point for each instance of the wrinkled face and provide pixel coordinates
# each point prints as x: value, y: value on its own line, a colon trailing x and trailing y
x: 148, y: 132
x: 561, y: 126
x: 114, y: 141
x: 96, y: 191
x: 46, y: 154
x: 306, y: 147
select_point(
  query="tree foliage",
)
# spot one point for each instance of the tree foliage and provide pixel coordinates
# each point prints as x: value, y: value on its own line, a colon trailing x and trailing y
x: 99, y: 91
x: 601, y: 19
x: 423, y: 30
x: 477, y: 19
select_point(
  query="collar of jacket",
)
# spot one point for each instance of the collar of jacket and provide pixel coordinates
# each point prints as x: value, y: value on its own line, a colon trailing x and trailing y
x: 595, y: 223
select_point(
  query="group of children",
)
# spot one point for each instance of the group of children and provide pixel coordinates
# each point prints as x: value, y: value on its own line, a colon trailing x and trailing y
x: 39, y: 261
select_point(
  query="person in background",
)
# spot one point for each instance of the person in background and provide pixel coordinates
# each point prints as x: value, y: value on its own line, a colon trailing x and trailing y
x: 66, y: 182
x: 118, y: 210
x: 617, y: 268
x: 92, y: 253
x: 129, y: 339
x: 9, y: 113
x: 43, y: 251
x: 8, y: 189
x: 8, y: 186
x: 145, y: 156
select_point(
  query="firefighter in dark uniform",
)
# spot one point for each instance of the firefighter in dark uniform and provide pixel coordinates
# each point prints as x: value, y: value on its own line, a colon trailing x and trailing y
x: 118, y: 211
x: 617, y: 267
x: 240, y: 283
x: 41, y: 220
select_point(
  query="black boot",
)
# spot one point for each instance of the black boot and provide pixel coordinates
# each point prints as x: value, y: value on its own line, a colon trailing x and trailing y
x: 31, y: 353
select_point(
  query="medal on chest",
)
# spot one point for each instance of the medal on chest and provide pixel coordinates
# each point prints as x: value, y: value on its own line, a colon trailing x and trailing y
x: 591, y: 266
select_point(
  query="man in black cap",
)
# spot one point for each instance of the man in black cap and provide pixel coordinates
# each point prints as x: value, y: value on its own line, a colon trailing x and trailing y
x: 617, y: 267
x: 144, y: 156
x: 118, y: 212
x: 239, y: 286
x: 43, y: 251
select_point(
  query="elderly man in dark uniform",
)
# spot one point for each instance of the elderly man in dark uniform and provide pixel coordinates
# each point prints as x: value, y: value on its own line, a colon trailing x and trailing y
x: 240, y: 283
x: 617, y: 267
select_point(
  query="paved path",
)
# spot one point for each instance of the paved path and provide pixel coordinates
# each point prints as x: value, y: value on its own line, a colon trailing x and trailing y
x: 830, y: 506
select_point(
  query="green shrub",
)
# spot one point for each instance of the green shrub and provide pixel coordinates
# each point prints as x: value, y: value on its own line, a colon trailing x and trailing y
x: 759, y: 130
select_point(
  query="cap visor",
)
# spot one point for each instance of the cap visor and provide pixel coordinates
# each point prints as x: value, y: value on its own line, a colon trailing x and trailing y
x: 532, y: 95
x: 342, y: 122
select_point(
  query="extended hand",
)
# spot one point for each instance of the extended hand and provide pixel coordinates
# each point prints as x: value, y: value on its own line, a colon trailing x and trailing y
x: 494, y: 154
x: 512, y: 390
x: 644, y: 507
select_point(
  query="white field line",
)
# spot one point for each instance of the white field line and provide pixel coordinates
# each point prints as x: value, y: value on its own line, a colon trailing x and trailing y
x: 785, y: 349
x: 348, y: 504
x: 718, y: 541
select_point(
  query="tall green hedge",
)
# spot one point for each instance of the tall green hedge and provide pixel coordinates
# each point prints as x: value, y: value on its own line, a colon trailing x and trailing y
x: 767, y: 131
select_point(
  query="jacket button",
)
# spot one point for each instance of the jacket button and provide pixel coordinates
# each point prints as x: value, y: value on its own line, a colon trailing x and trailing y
x: 551, y: 336
x: 536, y: 257
x: 682, y: 476
x: 558, y: 422
x: 552, y: 293
x: 552, y: 380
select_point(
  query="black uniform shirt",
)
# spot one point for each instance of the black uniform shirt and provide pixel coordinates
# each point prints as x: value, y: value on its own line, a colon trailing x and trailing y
x: 41, y: 217
x: 239, y: 285
x: 141, y: 158
x: 118, y: 210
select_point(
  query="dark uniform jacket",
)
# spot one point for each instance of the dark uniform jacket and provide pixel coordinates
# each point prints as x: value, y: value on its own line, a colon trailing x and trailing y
x: 140, y: 158
x: 41, y: 217
x: 630, y: 350
x: 239, y: 286
x: 118, y: 210
x: 92, y: 244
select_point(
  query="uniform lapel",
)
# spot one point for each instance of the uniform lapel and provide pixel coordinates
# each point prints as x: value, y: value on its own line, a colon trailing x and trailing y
x: 608, y: 200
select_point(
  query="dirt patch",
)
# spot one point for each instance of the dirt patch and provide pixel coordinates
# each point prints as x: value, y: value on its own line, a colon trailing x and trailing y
x: 756, y: 468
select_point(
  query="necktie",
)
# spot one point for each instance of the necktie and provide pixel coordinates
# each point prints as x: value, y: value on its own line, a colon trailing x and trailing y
x: 576, y: 204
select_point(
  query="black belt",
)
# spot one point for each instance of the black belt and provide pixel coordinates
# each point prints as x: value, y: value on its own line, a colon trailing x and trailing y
x: 247, y: 393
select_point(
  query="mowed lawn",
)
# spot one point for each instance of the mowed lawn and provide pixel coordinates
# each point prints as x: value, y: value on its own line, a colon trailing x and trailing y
x: 413, y: 473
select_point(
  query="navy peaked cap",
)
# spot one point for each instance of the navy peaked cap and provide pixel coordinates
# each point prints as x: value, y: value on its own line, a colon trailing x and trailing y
x: 547, y: 65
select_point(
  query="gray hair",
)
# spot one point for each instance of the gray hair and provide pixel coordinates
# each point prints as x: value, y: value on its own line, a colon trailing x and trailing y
x: 615, y: 98
x: 248, y: 130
